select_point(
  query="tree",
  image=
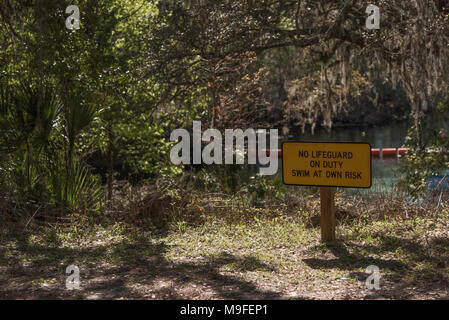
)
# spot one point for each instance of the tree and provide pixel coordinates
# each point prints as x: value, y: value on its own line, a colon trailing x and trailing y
x: 328, y: 34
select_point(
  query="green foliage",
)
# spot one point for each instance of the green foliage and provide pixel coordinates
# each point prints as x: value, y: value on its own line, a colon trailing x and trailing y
x: 108, y: 95
x: 28, y: 113
x: 144, y: 144
x: 261, y: 188
x: 36, y: 166
x: 76, y: 189
x: 67, y: 94
x: 428, y: 155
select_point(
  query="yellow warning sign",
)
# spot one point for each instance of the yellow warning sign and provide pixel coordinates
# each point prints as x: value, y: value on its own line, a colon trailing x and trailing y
x: 327, y: 164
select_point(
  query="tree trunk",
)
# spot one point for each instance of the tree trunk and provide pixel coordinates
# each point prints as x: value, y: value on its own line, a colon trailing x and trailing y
x: 416, y: 109
x: 110, y: 161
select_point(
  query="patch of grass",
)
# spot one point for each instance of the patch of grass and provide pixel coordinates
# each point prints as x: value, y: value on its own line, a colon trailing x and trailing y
x: 270, y: 254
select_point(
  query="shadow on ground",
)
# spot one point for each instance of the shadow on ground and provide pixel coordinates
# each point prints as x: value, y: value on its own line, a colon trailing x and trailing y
x: 421, y: 270
x: 131, y: 270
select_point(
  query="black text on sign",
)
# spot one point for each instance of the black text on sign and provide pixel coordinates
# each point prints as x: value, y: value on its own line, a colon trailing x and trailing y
x: 327, y: 164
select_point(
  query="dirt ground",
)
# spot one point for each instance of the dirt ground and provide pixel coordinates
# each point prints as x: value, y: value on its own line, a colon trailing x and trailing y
x: 266, y: 260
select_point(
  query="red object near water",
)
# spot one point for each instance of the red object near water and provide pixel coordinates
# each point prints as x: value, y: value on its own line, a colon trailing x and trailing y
x: 375, y: 152
x: 268, y: 152
x: 276, y: 151
x: 388, y: 152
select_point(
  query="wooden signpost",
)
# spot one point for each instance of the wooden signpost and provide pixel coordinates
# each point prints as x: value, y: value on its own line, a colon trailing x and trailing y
x: 327, y: 165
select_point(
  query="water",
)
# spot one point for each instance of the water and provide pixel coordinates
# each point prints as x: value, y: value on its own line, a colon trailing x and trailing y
x: 385, y: 172
x: 388, y: 136
x: 392, y: 135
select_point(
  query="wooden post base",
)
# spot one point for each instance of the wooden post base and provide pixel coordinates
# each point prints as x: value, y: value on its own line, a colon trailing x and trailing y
x: 327, y: 219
